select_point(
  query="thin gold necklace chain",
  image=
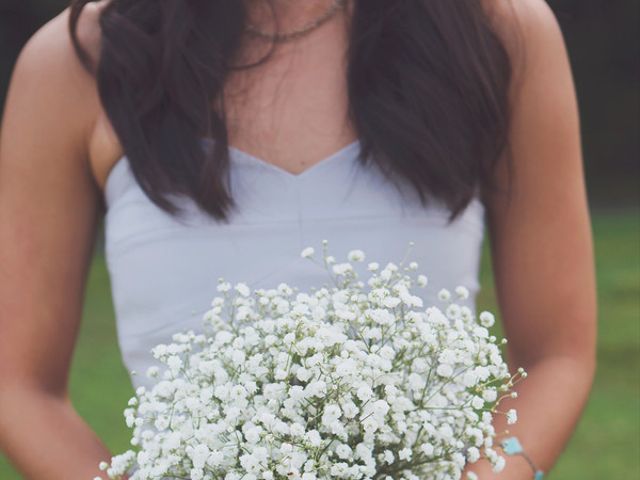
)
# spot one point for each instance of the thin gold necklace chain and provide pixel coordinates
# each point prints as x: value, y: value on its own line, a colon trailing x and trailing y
x: 306, y: 28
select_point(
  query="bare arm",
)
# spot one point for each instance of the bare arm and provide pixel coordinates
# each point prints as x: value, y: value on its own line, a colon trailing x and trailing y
x: 49, y: 208
x: 542, y: 250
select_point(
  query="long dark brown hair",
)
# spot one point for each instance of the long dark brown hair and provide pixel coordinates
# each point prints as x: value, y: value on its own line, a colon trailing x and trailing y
x: 427, y: 80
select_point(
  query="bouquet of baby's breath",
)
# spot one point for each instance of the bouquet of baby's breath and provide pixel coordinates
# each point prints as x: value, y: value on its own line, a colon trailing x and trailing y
x: 350, y: 381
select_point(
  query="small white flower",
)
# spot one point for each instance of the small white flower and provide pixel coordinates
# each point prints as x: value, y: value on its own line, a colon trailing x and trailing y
x: 444, y: 370
x: 499, y: 464
x: 313, y: 437
x: 342, y: 268
x: 405, y: 454
x: 444, y: 294
x: 473, y: 454
x: 487, y: 319
x: 307, y: 252
x: 427, y: 449
x: 356, y: 256
x: 462, y: 292
x: 364, y: 393
x: 242, y: 289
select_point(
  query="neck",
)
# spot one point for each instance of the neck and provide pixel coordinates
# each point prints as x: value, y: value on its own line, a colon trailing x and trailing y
x: 284, y: 15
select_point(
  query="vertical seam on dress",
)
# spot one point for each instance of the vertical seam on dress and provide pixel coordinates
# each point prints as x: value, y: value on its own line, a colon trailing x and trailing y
x: 299, y: 208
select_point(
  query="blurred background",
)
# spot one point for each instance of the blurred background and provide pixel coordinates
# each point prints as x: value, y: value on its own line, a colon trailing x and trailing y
x: 604, y: 46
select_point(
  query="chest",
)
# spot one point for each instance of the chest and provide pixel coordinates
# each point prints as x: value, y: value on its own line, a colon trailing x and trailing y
x: 291, y: 110
x: 163, y: 269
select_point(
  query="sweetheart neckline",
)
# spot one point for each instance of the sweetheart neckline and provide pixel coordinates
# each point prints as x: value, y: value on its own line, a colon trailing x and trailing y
x: 237, y: 154
x: 318, y: 164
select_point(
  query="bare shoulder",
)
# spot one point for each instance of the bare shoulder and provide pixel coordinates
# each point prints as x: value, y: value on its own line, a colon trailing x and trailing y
x: 50, y: 50
x: 544, y: 134
x: 529, y: 30
x: 528, y: 13
x: 51, y: 82
x: 542, y: 86
x: 50, y: 69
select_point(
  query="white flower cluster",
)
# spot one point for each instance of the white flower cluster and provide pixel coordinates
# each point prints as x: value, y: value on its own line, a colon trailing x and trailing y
x: 354, y: 381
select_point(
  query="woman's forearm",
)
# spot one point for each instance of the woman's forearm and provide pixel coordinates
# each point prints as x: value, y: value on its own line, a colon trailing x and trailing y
x: 550, y: 401
x: 45, y: 438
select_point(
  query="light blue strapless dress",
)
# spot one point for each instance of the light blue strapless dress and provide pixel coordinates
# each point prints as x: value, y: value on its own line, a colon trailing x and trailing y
x: 164, y: 271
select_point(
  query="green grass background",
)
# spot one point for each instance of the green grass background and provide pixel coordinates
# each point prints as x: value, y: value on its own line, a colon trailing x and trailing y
x: 606, y: 443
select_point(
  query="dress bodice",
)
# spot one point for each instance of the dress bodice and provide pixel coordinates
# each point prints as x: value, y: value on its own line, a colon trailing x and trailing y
x: 164, y: 270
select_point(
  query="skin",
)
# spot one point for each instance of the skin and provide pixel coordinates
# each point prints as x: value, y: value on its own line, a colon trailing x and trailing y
x: 56, y: 149
x: 542, y: 248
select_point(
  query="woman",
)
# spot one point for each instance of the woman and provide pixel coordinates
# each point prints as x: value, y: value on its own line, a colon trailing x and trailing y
x: 469, y: 107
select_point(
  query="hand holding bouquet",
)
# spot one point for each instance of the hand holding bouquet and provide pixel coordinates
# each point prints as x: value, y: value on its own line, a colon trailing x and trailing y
x: 357, y: 380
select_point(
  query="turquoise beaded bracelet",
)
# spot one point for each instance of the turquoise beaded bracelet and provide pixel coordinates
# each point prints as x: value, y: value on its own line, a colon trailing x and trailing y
x: 512, y: 446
